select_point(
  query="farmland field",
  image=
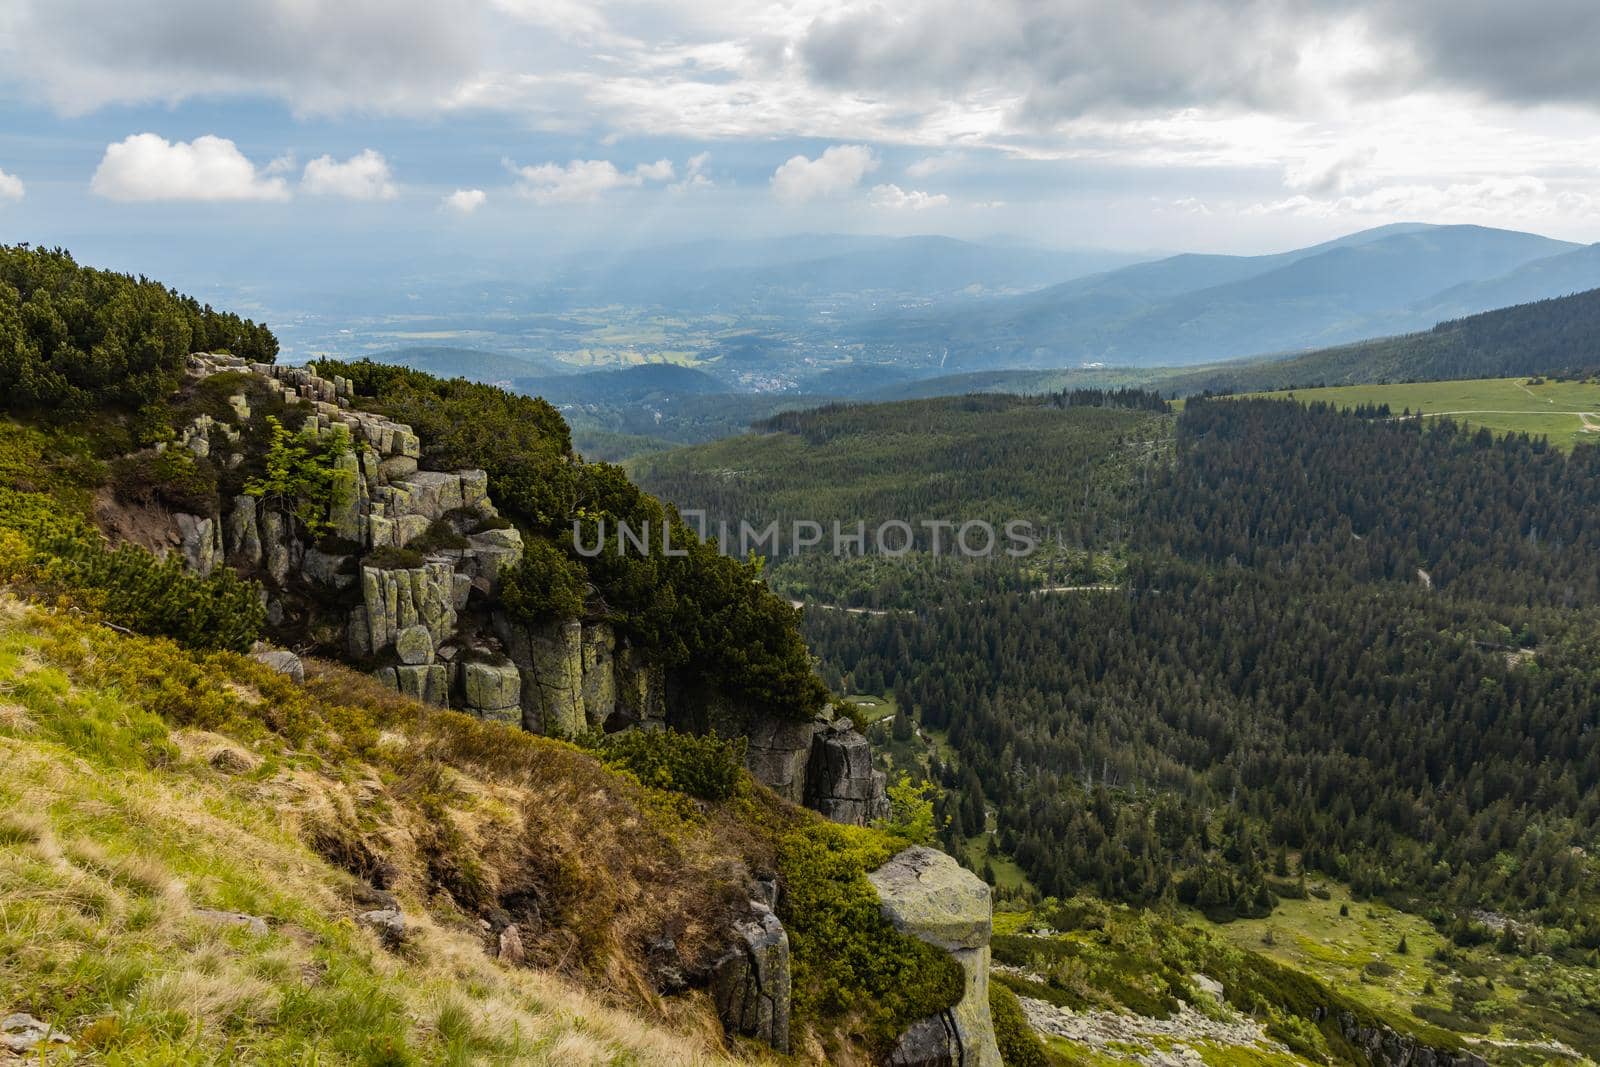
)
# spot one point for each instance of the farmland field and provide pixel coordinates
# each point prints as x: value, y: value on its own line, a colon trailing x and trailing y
x: 1565, y: 412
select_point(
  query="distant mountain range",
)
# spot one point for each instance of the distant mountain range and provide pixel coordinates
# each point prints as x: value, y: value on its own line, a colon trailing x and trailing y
x: 1194, y: 308
x: 474, y: 364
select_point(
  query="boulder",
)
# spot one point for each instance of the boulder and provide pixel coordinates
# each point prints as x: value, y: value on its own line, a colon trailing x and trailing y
x: 389, y: 924
x: 395, y: 468
x: 429, y: 683
x: 750, y: 982
x: 431, y: 493
x: 283, y: 661
x: 244, y: 538
x: 200, y: 541
x: 491, y: 687
x: 414, y: 645
x: 326, y: 569
x: 927, y: 895
x: 777, y: 753
x: 349, y: 505
x: 840, y: 780
x: 474, y: 489
x: 931, y: 1041
x: 21, y: 1032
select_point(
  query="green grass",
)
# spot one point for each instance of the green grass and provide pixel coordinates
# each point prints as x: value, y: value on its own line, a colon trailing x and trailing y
x: 1505, y: 405
x: 1525, y: 999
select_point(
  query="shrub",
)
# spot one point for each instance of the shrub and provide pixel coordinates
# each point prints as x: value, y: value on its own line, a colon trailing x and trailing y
x: 707, y: 767
x: 391, y: 558
x: 846, y: 956
x: 75, y: 339
x: 173, y: 476
x: 440, y: 535
x: 160, y: 597
x: 302, y: 477
x: 910, y: 811
x: 546, y: 585
x: 1019, y: 1045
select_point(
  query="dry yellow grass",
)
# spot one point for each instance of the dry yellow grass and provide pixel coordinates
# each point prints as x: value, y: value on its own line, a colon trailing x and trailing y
x: 114, y: 829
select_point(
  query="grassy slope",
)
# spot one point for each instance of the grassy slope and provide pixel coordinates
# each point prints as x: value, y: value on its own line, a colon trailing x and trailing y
x: 1525, y: 999
x: 116, y: 825
x: 1505, y: 405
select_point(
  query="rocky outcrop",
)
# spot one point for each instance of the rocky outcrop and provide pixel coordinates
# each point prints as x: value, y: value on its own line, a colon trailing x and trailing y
x: 493, y: 691
x: 840, y: 780
x: 1384, y: 1047
x: 578, y: 676
x: 750, y: 983
x: 778, y: 754
x: 929, y: 896
x: 200, y: 541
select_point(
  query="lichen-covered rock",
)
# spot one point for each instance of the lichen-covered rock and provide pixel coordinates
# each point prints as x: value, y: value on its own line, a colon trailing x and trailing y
x: 840, y: 780
x: 1384, y: 1047
x: 931, y: 897
x: 490, y: 687
x: 200, y: 541
x: 750, y: 983
x: 244, y: 537
x: 280, y: 548
x: 641, y: 691
x: 427, y: 682
x: 550, y: 660
x: 349, y: 505
x: 414, y: 645
x: 598, y: 686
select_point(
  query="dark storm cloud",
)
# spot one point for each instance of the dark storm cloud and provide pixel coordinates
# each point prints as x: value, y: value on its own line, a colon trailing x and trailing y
x: 1065, y: 58
x: 1537, y: 51
x: 82, y: 53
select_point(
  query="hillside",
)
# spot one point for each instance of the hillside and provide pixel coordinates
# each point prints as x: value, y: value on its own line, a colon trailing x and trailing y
x: 164, y: 523
x: 1559, y: 336
x: 1269, y: 658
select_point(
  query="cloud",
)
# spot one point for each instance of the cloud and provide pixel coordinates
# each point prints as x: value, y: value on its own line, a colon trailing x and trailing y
x: 928, y: 166
x: 11, y: 187
x: 1049, y: 62
x: 1539, y: 51
x: 355, y: 54
x: 1512, y: 196
x: 584, y: 180
x: 838, y: 170
x: 464, y: 201
x: 361, y: 177
x: 897, y: 199
x: 1328, y: 172
x: 146, y: 166
x: 694, y: 174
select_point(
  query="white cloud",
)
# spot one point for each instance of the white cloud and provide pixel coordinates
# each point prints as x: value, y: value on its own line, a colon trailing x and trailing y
x: 361, y: 177
x: 897, y: 199
x: 928, y: 166
x: 694, y: 174
x: 584, y: 180
x: 838, y: 170
x: 464, y: 201
x: 1327, y: 172
x: 11, y: 187
x: 659, y: 171
x: 146, y: 166
x: 1510, y: 197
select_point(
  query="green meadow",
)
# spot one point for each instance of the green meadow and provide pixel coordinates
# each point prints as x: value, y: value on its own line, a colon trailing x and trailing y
x: 1566, y: 412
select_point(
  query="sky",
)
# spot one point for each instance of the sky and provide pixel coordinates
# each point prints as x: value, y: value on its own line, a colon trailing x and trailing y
x: 349, y: 136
